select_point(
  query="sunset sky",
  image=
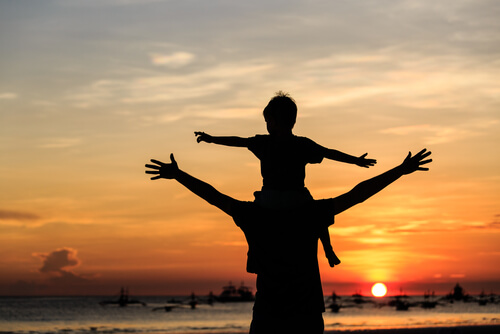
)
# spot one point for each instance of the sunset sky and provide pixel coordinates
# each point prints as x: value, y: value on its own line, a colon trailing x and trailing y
x: 90, y: 90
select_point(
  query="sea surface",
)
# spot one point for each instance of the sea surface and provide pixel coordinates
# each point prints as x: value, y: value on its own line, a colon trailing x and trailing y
x: 75, y: 315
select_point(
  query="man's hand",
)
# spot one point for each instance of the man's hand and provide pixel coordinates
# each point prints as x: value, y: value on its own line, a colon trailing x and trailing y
x: 202, y: 136
x: 163, y: 170
x: 362, y: 162
x: 412, y: 164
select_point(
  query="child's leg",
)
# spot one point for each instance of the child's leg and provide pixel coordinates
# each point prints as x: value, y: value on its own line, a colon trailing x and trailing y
x: 324, y: 236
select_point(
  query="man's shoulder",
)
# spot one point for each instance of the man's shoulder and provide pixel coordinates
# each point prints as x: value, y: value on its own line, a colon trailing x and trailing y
x: 242, y: 208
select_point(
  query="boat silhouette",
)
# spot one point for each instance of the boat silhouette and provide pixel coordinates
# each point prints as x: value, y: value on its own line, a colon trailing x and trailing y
x: 232, y: 294
x: 123, y: 300
x: 333, y: 305
x: 192, y: 302
x: 458, y: 294
x: 400, y: 301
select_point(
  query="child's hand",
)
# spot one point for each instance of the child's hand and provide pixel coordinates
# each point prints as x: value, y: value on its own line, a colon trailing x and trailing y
x: 363, y: 162
x: 163, y: 170
x: 202, y: 136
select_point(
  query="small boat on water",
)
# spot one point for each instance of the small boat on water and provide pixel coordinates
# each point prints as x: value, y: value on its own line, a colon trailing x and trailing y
x: 333, y: 305
x: 232, y: 294
x: 358, y: 298
x: 174, y: 303
x: 400, y: 302
x: 429, y: 301
x: 458, y: 294
x: 123, y: 300
x: 482, y: 299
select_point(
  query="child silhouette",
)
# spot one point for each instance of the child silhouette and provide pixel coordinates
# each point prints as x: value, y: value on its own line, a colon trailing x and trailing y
x: 283, y: 158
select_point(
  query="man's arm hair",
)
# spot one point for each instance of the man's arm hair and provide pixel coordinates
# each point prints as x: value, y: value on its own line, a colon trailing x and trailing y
x: 368, y: 188
x: 196, y: 186
x: 222, y: 140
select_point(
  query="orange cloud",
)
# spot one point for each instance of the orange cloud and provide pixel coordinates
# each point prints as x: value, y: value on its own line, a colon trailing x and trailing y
x: 56, y: 261
x: 176, y: 59
x: 17, y: 215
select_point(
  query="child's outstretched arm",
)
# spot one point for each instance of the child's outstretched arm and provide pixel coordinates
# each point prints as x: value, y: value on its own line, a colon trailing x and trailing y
x: 361, y: 161
x: 226, y: 141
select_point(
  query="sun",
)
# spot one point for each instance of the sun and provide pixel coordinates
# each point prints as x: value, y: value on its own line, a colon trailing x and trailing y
x: 379, y: 289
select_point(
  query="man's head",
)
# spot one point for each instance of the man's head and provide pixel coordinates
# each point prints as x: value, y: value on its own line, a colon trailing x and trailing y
x: 280, y: 113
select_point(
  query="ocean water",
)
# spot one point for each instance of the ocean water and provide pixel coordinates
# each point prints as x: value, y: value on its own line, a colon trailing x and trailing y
x: 74, y: 315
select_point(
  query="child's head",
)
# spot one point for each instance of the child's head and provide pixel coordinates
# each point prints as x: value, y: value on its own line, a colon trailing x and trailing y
x: 280, y: 112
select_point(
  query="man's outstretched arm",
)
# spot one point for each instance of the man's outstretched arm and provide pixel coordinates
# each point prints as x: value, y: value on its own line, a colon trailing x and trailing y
x: 202, y: 189
x: 368, y: 188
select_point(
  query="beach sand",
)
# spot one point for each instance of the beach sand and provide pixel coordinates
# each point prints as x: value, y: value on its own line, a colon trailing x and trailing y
x: 483, y: 329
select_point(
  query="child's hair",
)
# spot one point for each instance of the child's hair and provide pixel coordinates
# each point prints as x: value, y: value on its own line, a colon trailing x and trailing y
x: 282, y: 109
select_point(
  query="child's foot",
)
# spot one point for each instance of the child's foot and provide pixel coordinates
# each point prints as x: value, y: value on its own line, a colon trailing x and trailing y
x: 333, y: 260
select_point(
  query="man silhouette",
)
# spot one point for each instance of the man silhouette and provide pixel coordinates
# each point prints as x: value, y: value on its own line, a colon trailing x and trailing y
x: 289, y: 296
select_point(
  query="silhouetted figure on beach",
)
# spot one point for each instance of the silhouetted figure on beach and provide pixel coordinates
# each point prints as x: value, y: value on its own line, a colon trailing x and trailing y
x: 283, y: 244
x: 283, y: 158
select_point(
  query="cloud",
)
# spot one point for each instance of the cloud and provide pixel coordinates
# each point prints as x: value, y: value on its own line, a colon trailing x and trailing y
x: 57, y: 276
x: 494, y: 225
x: 8, y: 96
x: 385, y: 234
x: 408, y: 76
x: 107, y: 3
x: 348, y: 60
x: 60, y: 142
x: 457, y: 275
x: 433, y: 134
x: 353, y: 230
x: 174, y: 60
x: 17, y: 215
x: 438, y: 134
x: 372, y: 234
x: 55, y: 265
x: 162, y: 88
x: 58, y: 259
x: 442, y: 226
